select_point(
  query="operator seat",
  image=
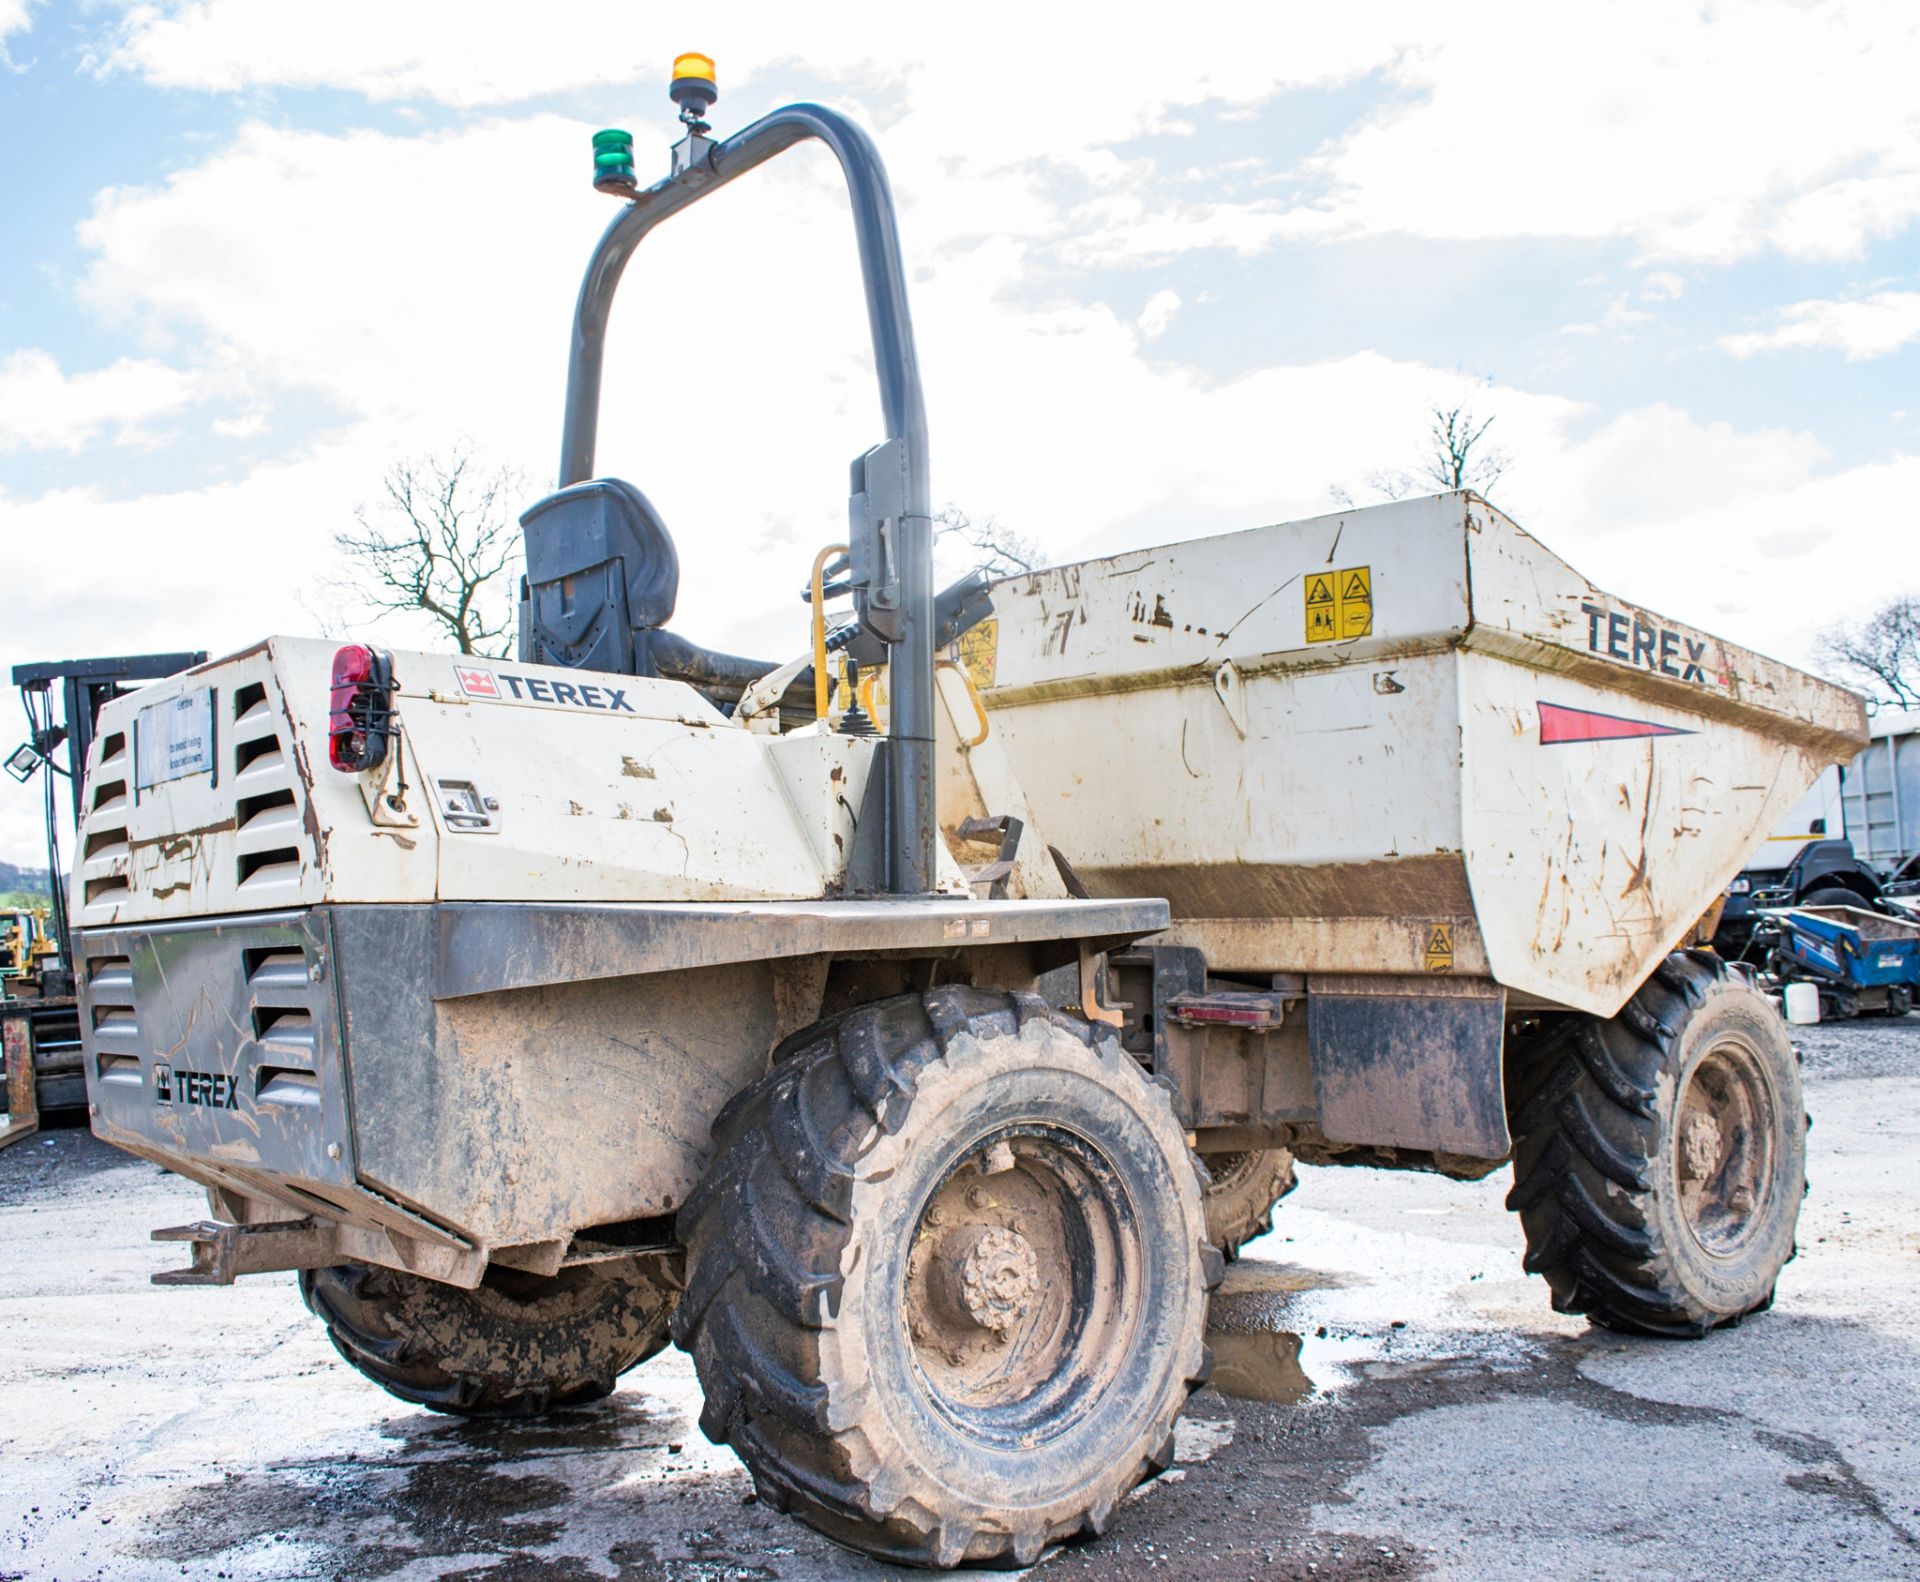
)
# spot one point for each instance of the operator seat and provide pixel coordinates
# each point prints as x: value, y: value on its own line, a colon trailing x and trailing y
x: 602, y: 578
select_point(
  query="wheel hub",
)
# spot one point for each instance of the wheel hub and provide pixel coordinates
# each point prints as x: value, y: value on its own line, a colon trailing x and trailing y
x: 1700, y: 1147
x: 1722, y: 1147
x: 1001, y: 1348
x: 986, y: 1275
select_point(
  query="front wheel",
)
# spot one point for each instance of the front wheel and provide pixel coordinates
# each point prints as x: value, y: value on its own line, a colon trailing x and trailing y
x: 948, y: 1278
x: 1660, y: 1156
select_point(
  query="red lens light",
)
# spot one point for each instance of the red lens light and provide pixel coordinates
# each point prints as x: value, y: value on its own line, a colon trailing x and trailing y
x: 358, y: 709
x: 352, y: 665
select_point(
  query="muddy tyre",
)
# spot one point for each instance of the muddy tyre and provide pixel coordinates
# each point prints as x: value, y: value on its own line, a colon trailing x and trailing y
x: 516, y: 1346
x: 1242, y: 1192
x: 1660, y: 1156
x: 947, y: 1278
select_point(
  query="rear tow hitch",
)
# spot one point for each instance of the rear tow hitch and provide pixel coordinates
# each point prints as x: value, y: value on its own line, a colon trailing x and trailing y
x: 223, y: 1252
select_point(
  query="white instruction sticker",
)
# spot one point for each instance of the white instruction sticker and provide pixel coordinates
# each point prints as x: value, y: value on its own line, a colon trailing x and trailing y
x: 175, y: 738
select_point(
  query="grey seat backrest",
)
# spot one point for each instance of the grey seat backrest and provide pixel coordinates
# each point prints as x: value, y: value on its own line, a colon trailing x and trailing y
x: 602, y: 577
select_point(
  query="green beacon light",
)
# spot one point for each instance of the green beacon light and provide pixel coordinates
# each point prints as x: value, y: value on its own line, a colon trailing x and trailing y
x: 613, y: 162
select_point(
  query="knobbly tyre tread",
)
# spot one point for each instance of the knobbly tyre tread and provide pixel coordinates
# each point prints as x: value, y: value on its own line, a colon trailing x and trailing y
x: 766, y: 1230
x: 1243, y: 1189
x: 489, y: 1353
x: 1585, y: 1097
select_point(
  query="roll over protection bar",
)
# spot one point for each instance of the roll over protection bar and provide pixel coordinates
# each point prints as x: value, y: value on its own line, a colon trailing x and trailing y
x: 892, y: 526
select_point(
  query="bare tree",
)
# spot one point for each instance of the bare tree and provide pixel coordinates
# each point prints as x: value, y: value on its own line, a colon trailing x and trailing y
x: 1880, y: 655
x: 442, y: 542
x: 1457, y: 456
x: 998, y: 551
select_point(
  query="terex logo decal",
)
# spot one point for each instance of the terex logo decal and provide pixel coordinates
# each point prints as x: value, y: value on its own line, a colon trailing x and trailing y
x: 535, y: 689
x: 1633, y: 641
x: 208, y: 1089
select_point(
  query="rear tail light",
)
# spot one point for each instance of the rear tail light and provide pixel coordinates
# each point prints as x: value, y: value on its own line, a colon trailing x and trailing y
x: 361, y: 717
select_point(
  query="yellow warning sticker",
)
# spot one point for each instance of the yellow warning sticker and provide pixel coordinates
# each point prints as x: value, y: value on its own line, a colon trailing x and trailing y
x: 1356, y: 602
x: 1340, y: 605
x: 1439, y: 956
x: 1323, y: 609
x: 978, y: 649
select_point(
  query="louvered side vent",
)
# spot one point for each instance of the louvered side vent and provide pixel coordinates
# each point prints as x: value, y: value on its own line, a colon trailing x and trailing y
x: 280, y: 986
x: 114, y: 1031
x: 104, y: 858
x: 267, y: 825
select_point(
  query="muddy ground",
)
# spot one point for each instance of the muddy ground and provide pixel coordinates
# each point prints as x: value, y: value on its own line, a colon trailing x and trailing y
x: 1406, y: 1406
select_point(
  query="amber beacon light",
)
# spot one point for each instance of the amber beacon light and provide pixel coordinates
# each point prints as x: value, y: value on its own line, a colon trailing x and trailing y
x: 694, y: 88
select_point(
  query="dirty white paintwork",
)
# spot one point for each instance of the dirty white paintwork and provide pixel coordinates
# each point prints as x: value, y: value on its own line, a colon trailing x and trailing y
x: 656, y: 798
x: 1325, y: 806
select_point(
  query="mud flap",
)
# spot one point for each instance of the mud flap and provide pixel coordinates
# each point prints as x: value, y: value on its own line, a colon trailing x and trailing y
x: 1410, y: 1063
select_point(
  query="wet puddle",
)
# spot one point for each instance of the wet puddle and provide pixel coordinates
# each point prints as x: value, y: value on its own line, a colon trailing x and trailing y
x: 1257, y: 1332
x: 1261, y: 1365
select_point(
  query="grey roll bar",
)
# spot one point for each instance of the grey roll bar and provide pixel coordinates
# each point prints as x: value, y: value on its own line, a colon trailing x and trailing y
x: 704, y: 167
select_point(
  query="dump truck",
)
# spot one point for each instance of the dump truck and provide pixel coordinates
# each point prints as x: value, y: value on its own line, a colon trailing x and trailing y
x: 540, y: 1012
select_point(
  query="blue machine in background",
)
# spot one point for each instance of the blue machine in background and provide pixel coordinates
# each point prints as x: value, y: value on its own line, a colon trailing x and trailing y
x: 1861, y: 960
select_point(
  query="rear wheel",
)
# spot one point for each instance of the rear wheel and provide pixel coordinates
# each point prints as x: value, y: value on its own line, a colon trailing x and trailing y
x: 948, y: 1278
x: 515, y: 1346
x: 1242, y: 1193
x: 1660, y: 1157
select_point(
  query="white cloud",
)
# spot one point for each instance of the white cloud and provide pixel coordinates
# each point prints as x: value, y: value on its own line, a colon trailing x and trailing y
x: 1620, y: 315
x: 1864, y: 328
x: 1637, y: 120
x: 352, y: 266
x: 1662, y: 285
x: 42, y: 408
x: 1739, y: 533
x: 1646, y: 121
x: 1099, y: 82
x: 1158, y: 314
x: 211, y: 568
x: 14, y: 18
x: 248, y: 425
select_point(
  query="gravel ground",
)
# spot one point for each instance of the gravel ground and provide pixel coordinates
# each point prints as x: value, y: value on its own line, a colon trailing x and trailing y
x: 1405, y: 1405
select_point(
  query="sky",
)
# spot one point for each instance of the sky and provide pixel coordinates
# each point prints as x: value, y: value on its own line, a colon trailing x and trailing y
x: 1174, y: 272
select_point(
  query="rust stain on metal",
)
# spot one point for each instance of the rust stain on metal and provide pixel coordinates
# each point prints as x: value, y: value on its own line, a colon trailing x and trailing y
x: 175, y: 843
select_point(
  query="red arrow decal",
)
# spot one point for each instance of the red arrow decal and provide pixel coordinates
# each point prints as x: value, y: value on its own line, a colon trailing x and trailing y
x: 1560, y: 724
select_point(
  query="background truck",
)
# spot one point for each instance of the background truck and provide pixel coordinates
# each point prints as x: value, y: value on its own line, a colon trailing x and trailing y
x: 539, y: 1011
x: 1852, y: 841
x: 1880, y: 795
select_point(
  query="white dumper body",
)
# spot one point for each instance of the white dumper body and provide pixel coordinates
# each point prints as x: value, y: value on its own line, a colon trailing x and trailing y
x: 1404, y: 739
